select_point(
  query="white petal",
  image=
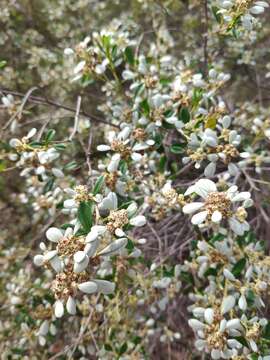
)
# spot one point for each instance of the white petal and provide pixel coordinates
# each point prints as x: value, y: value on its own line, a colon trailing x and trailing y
x: 234, y: 324
x: 216, y: 216
x: 50, y: 255
x: 57, y: 173
x: 242, y: 303
x: 210, y: 169
x: 132, y: 208
x: 79, y: 67
x: 215, y: 354
x: 119, y: 233
x: 228, y: 275
x: 113, y: 165
x: 58, y: 309
x: 79, y: 256
x: 114, y: 247
x: 44, y: 328
x: 209, y: 315
x: 103, y: 147
x: 91, y: 248
x: 70, y: 203
x: 242, y: 196
x: 68, y: 232
x: 233, y: 169
x: 136, y: 156
x: 191, y: 189
x: 39, y: 260
x: 196, y: 324
x: 256, y: 10
x: 199, y: 218
x: 236, y: 227
x: 88, y: 287
x: 71, y: 306
x: 204, y: 187
x: 31, y: 133
x: 81, y: 266
x: 14, y: 142
x: 56, y: 264
x: 139, y: 220
x: 110, y: 202
x: 222, y: 325
x: 227, y: 304
x: 192, y: 207
x: 104, y: 286
x: 53, y: 234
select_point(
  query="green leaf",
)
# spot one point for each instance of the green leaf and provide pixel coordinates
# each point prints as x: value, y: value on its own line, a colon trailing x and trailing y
x: 177, y: 148
x: 242, y: 341
x: 60, y: 147
x: 49, y: 185
x: 184, y: 115
x: 98, y: 185
x: 71, y: 165
x: 250, y: 296
x: 238, y: 267
x: 123, y: 166
x: 85, y: 214
x: 123, y: 349
x: 211, y: 271
x: 129, y: 55
x: 108, y: 347
x: 50, y: 135
x: 136, y: 340
x: 114, y: 52
x: 35, y: 144
x: 162, y: 163
x: 187, y: 277
x: 130, y: 246
x: 266, y: 332
x: 145, y: 106
x: 216, y: 14
x: 3, y: 63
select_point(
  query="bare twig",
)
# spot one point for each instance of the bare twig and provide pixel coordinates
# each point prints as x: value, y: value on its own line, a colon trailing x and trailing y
x: 76, y: 119
x: 49, y: 102
x: 18, y: 113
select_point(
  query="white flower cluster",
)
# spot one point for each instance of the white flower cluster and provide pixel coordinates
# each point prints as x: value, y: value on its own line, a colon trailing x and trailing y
x: 245, y: 10
x: 78, y: 256
x: 225, y: 319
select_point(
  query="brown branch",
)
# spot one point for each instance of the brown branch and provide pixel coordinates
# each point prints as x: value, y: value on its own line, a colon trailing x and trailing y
x: 45, y: 101
x: 205, y: 37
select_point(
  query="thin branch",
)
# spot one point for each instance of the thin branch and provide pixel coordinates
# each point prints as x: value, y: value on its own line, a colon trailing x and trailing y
x: 205, y: 37
x: 46, y: 101
x: 76, y: 119
x: 18, y: 113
